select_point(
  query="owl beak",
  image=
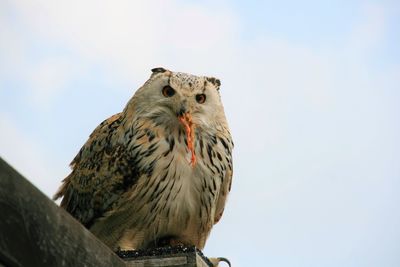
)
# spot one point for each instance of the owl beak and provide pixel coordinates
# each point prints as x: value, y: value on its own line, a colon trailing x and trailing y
x: 182, y: 112
x: 186, y: 120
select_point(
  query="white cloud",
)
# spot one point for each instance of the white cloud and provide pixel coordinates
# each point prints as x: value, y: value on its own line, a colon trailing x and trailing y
x: 369, y: 32
x: 11, y: 45
x: 30, y: 159
x: 130, y: 37
x: 41, y: 77
x: 48, y: 77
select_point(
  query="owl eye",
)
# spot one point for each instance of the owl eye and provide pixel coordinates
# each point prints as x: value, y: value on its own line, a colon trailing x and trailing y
x: 201, y: 98
x: 168, y: 91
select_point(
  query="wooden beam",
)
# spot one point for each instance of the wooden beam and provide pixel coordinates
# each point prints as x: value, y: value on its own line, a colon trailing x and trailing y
x: 180, y: 256
x: 34, y: 231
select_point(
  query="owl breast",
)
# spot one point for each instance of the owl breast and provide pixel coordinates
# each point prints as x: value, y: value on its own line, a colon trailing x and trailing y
x: 177, y: 200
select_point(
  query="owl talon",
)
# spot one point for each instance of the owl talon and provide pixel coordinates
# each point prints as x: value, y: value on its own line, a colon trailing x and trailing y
x: 216, y: 261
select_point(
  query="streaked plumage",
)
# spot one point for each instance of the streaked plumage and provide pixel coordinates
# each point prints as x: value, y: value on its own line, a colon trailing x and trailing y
x: 134, y: 183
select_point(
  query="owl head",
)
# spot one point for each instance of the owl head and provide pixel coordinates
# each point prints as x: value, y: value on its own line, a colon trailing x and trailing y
x: 168, y: 96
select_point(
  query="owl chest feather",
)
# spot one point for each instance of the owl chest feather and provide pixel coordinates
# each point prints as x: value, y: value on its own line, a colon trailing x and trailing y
x: 173, y: 197
x: 173, y: 186
x: 180, y: 185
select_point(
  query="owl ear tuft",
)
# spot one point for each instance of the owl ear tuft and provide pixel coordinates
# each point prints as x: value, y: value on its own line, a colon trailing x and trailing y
x: 158, y: 70
x: 216, y: 82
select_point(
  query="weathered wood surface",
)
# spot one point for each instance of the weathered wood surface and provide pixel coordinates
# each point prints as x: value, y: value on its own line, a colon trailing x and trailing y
x: 181, y: 256
x: 34, y: 231
x: 176, y: 260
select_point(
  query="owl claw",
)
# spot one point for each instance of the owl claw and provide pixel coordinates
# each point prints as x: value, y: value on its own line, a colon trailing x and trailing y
x: 216, y: 261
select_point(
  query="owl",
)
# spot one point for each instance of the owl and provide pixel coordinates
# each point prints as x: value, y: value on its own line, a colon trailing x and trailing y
x: 159, y: 172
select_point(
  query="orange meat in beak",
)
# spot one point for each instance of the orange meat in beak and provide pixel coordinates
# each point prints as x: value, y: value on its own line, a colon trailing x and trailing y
x: 186, y: 120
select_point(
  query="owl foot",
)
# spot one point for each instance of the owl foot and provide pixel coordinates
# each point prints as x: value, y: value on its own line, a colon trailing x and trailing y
x: 176, y: 242
x: 216, y: 261
x: 170, y: 241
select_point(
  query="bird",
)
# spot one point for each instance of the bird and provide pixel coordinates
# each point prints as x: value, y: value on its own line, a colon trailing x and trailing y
x: 159, y: 172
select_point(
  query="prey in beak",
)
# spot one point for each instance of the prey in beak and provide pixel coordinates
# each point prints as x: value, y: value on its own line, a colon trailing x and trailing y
x: 186, y: 120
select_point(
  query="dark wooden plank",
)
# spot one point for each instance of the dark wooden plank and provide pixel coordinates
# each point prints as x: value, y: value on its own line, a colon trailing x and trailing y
x: 177, y: 260
x: 180, y: 256
x: 34, y: 231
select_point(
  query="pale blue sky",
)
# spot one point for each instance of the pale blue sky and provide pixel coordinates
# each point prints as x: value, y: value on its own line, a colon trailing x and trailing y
x: 311, y: 90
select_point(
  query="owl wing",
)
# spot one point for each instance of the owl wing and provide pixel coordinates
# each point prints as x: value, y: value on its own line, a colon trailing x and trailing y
x: 101, y: 172
x: 224, y: 144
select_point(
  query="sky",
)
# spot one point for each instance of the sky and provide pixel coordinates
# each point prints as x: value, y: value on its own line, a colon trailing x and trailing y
x: 311, y: 90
